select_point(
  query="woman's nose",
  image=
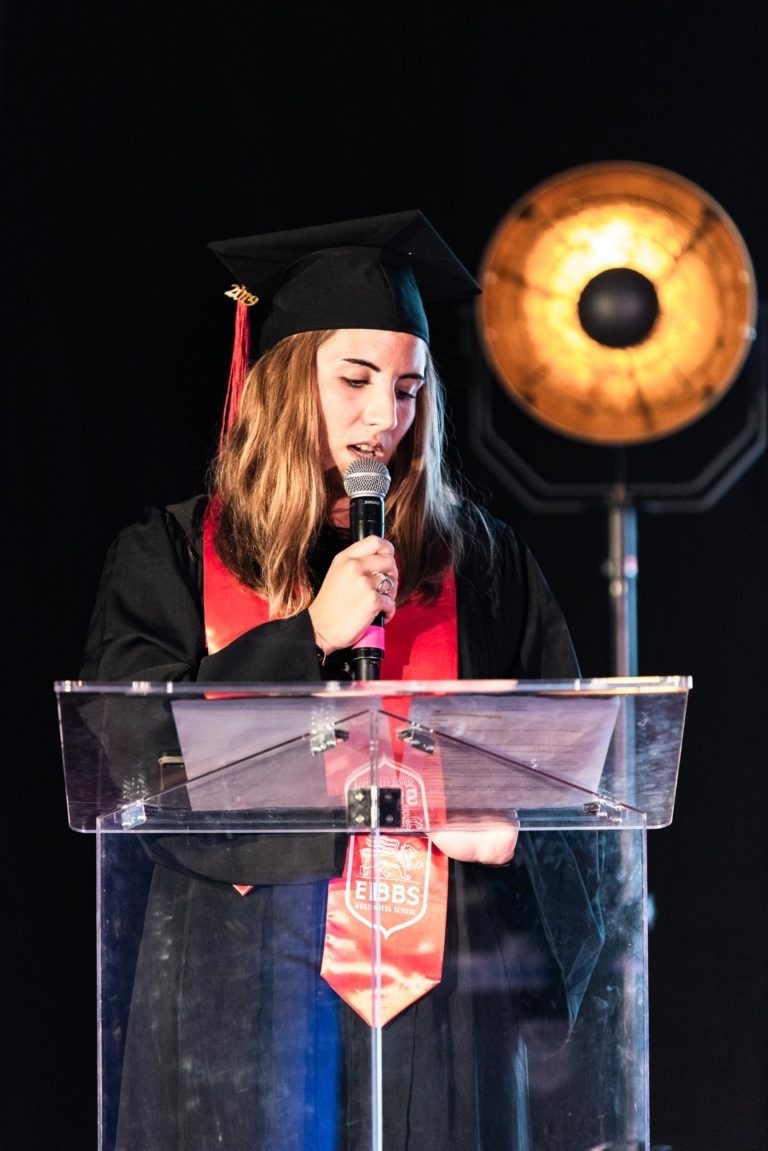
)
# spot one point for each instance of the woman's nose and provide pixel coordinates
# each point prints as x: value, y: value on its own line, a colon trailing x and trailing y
x: 381, y: 408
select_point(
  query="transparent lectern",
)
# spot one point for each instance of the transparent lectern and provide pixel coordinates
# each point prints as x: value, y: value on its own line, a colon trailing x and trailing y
x: 224, y: 816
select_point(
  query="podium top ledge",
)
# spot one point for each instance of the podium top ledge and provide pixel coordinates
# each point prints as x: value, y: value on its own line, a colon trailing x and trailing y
x: 634, y: 685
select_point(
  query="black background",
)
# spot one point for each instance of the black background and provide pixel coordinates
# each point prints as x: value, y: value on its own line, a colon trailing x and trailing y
x: 134, y: 133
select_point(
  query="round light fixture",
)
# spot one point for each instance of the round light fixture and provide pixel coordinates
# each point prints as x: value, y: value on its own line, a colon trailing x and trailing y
x: 619, y: 302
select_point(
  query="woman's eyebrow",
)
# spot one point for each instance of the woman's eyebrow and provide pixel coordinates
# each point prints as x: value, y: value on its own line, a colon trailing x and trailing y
x: 362, y: 363
x: 376, y: 368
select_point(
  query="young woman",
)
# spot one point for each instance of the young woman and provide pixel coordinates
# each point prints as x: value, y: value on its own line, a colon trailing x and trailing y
x: 235, y: 1038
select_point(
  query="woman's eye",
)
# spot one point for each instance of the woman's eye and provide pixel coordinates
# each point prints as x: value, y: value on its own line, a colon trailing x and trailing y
x: 354, y: 383
x: 406, y: 395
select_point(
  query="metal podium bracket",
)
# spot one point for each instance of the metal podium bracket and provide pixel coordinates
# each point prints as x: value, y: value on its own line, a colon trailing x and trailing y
x: 605, y: 808
x: 133, y: 815
x: 324, y: 738
x: 419, y: 738
x: 369, y: 807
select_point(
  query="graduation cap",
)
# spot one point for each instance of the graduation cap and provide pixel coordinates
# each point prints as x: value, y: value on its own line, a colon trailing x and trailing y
x: 375, y: 272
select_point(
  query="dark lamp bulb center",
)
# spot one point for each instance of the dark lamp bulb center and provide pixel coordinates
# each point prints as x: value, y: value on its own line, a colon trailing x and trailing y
x: 618, y: 307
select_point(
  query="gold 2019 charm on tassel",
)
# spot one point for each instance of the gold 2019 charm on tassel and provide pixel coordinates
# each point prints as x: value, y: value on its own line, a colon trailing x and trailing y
x: 242, y: 295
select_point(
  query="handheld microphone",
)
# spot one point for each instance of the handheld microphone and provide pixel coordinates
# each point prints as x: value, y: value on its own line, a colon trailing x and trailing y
x: 366, y: 482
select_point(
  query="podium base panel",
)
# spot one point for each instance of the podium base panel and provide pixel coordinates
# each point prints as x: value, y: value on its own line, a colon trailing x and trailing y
x: 217, y: 1031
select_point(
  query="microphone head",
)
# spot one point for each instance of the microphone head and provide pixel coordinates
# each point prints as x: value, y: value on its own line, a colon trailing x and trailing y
x: 366, y: 477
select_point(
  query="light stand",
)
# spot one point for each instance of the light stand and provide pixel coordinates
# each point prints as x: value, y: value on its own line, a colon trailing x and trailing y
x: 618, y: 307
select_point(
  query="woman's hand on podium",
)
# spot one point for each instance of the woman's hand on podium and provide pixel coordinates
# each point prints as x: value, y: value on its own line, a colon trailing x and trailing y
x: 493, y: 844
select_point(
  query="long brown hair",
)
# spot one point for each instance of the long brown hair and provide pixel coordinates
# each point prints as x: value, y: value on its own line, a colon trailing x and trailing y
x: 273, y: 498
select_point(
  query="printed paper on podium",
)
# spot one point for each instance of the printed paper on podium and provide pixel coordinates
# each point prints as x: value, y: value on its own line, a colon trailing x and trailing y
x: 495, y: 752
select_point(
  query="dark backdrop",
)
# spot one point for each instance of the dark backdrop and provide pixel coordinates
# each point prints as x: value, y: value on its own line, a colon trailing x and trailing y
x: 132, y: 134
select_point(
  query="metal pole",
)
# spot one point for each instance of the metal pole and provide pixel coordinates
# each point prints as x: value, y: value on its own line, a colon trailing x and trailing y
x: 621, y: 570
x: 622, y: 580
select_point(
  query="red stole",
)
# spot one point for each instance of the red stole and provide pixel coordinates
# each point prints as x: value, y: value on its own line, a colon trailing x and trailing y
x: 386, y: 913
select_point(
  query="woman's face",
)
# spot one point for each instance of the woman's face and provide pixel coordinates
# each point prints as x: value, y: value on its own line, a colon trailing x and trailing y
x: 367, y: 383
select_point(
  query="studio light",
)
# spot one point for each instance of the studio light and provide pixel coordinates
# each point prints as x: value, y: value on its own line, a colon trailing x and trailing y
x: 618, y: 302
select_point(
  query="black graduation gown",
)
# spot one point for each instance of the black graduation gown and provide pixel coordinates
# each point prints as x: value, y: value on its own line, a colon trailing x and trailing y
x: 233, y: 1039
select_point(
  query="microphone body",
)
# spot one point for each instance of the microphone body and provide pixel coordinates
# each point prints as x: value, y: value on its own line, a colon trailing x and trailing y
x: 366, y: 482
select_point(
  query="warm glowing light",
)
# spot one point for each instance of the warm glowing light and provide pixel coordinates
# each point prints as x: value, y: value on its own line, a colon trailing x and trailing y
x: 555, y: 241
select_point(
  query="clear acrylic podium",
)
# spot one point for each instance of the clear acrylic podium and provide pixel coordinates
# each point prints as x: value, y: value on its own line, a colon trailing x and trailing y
x: 179, y: 779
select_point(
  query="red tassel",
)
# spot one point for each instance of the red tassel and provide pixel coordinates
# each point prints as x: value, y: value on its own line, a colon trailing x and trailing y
x: 237, y: 370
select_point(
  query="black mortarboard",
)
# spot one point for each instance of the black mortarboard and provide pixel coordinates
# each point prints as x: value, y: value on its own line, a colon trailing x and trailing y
x: 373, y: 272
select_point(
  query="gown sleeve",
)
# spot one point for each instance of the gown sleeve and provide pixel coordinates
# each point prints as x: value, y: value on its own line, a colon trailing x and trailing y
x: 147, y: 625
x: 511, y: 626
x: 510, y: 623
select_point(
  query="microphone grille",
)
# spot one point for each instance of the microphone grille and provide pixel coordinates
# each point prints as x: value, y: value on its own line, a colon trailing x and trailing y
x: 366, y: 477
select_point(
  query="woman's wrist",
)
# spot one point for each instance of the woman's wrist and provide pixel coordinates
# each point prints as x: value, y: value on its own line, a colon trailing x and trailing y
x: 324, y: 648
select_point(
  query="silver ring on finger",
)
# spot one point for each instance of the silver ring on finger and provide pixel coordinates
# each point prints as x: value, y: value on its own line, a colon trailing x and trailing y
x: 385, y: 584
